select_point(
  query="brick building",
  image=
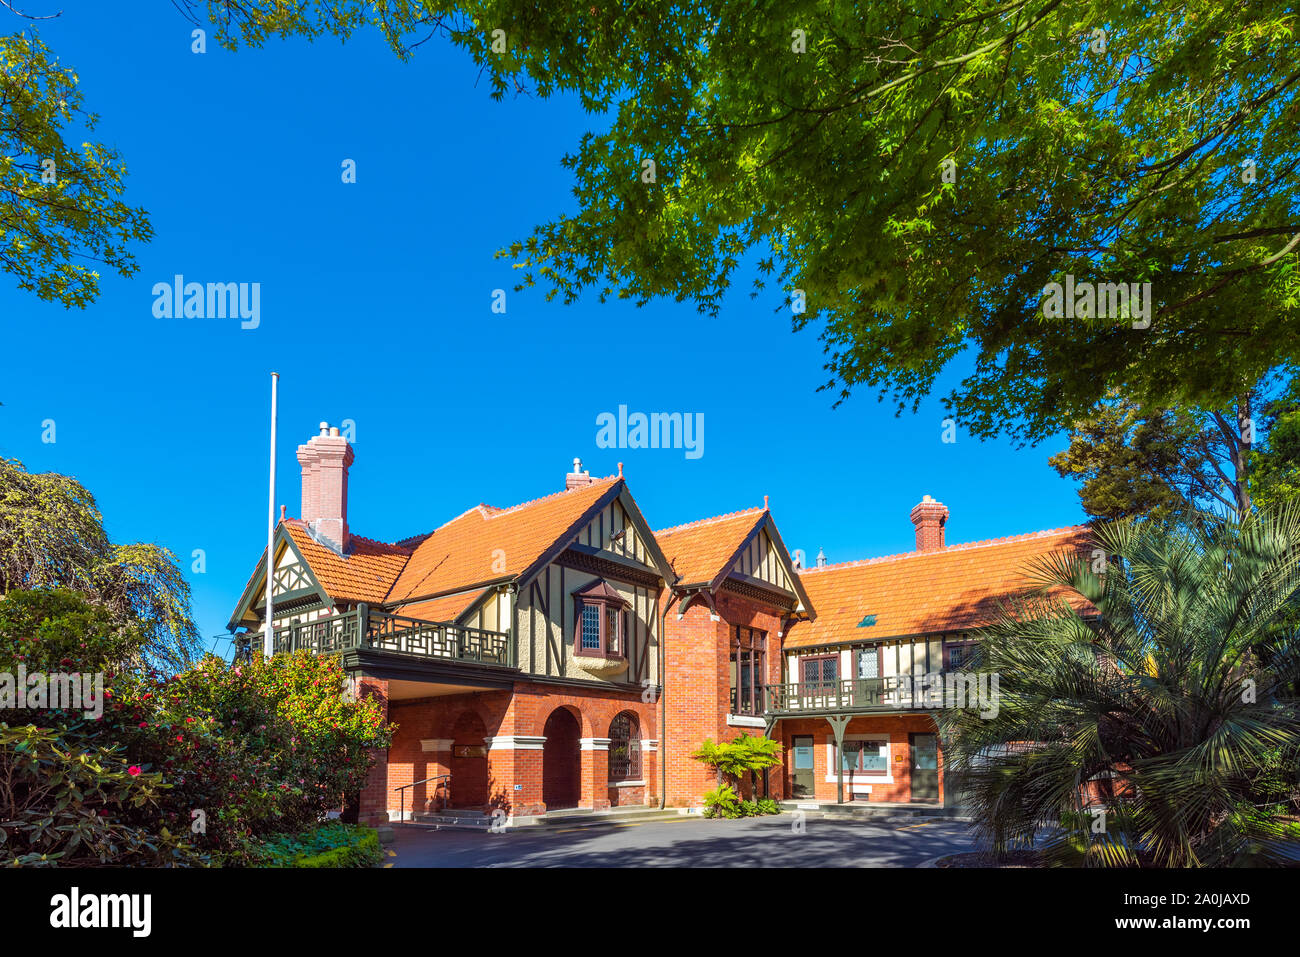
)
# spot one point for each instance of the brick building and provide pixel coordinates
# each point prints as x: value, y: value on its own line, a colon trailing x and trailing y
x: 562, y: 654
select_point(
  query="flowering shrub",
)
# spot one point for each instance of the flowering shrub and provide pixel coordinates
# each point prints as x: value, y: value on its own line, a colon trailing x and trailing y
x: 185, y: 768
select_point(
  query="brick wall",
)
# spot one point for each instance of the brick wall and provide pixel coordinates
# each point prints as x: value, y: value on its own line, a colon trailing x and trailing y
x: 698, y: 690
x: 896, y: 727
x: 510, y: 774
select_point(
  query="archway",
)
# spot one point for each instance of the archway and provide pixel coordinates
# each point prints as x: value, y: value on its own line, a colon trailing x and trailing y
x: 469, y: 765
x: 561, y: 760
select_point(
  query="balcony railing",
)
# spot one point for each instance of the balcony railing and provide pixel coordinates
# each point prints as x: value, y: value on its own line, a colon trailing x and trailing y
x: 368, y: 629
x: 848, y: 694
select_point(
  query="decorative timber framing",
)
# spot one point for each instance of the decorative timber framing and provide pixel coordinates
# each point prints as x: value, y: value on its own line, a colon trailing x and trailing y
x: 295, y: 586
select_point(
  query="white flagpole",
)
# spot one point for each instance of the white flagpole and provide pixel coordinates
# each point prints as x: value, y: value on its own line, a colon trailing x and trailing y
x: 268, y: 639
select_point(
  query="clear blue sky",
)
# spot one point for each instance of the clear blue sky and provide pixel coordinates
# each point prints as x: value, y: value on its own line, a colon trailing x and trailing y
x: 376, y: 307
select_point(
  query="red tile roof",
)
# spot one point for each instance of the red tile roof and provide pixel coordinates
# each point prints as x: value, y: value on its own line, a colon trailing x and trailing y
x: 955, y: 588
x: 699, y: 550
x: 366, y: 573
x: 488, y: 544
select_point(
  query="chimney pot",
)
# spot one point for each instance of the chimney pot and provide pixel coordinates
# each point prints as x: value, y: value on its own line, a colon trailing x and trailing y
x: 929, y: 517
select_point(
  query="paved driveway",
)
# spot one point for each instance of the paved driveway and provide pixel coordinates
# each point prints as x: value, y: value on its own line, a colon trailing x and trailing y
x: 748, y: 842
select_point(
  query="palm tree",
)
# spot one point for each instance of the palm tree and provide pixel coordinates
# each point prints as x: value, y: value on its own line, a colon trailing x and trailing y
x: 1153, y: 673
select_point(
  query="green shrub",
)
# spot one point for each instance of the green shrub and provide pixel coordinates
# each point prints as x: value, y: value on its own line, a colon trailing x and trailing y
x: 329, y: 845
x: 722, y: 802
x: 749, y: 809
x: 768, y: 806
x: 257, y: 748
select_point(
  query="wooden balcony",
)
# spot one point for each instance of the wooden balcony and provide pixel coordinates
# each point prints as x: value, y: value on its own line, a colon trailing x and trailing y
x: 366, y: 629
x: 867, y: 695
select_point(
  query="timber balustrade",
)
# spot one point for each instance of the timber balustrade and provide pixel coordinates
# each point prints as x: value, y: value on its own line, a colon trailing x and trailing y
x: 365, y: 628
x: 894, y: 693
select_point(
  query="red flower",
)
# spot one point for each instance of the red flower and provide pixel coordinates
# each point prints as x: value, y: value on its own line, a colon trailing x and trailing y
x: 133, y: 770
x: 144, y: 724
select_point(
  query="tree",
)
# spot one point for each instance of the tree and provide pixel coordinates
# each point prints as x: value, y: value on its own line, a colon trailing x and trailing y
x: 1275, y: 461
x: 744, y: 754
x: 60, y: 202
x: 918, y: 175
x: 1169, y: 463
x: 52, y: 536
x: 1145, y: 682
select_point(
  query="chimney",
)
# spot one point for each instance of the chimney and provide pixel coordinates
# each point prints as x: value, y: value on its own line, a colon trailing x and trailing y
x: 325, y: 460
x: 577, y: 478
x: 929, y: 517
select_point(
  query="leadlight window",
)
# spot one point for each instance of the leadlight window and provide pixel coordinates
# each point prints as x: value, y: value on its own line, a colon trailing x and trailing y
x: 820, y: 673
x: 748, y: 677
x: 624, y: 748
x: 868, y: 662
x: 591, y: 626
x: 601, y: 622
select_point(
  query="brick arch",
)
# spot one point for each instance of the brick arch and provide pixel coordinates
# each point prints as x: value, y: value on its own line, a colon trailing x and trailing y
x: 562, y: 758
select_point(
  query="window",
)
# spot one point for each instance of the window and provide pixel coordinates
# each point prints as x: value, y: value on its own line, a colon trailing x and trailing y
x: 819, y: 673
x: 591, y: 626
x: 602, y: 622
x: 866, y: 757
x: 869, y: 662
x: 958, y: 655
x: 748, y: 677
x: 624, y: 748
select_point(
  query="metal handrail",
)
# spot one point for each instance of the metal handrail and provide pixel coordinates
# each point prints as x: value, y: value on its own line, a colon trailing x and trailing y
x: 437, y: 777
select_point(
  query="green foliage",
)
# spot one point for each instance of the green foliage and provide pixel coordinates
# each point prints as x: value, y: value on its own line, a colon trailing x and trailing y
x: 67, y: 797
x: 51, y: 229
x: 258, y: 748
x: 822, y: 165
x: 1133, y: 463
x: 722, y: 801
x: 1275, y: 460
x: 331, y: 845
x: 1169, y: 463
x: 52, y: 536
x: 740, y: 756
x: 1181, y: 693
x: 768, y: 806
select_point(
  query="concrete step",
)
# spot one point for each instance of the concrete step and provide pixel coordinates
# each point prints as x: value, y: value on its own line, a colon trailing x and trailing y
x: 872, y: 812
x: 585, y: 817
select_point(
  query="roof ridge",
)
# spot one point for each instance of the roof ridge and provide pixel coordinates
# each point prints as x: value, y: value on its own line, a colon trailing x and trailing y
x: 400, y: 549
x: 700, y: 522
x: 959, y: 547
x: 545, y: 498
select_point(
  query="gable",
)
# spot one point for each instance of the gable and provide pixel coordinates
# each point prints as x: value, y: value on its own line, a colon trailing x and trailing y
x: 761, y: 562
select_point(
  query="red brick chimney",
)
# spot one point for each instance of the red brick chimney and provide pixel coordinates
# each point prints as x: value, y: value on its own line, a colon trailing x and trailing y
x: 325, y: 460
x: 929, y: 517
x: 577, y: 478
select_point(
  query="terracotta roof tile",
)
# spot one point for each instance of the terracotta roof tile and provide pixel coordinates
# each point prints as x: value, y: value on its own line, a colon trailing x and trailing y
x: 917, y: 593
x: 446, y: 608
x: 365, y: 573
x: 698, y: 550
x: 487, y: 543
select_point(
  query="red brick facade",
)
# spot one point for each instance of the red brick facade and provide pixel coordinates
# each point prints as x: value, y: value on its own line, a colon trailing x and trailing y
x: 894, y: 787
x: 698, y: 693
x: 495, y: 746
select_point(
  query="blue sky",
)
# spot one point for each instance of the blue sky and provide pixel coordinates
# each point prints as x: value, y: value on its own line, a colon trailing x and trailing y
x: 376, y: 307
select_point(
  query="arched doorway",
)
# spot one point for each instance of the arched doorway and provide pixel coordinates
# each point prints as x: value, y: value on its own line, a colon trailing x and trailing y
x: 561, y: 760
x: 469, y: 765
